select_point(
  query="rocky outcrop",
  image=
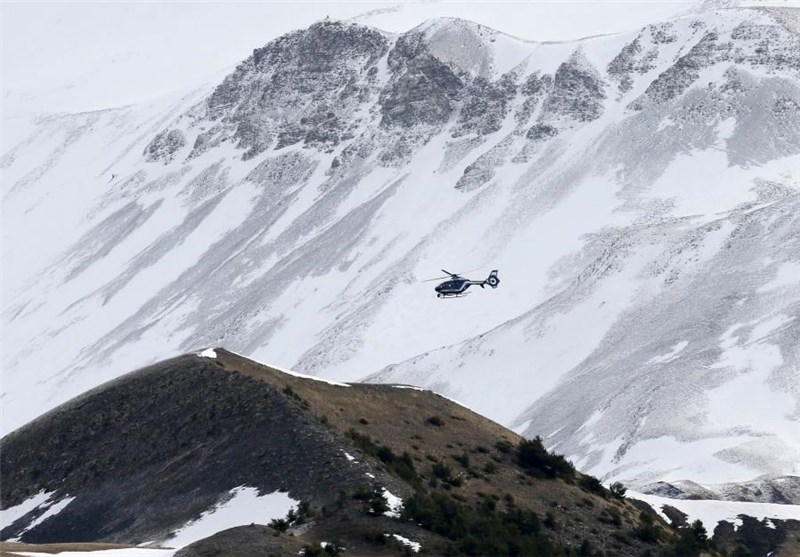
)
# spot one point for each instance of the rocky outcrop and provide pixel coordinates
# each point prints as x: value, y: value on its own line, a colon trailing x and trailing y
x: 164, y: 146
x: 300, y: 87
x: 577, y: 92
x: 423, y: 89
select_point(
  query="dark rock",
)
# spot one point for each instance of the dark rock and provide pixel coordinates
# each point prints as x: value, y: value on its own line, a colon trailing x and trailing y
x: 423, y: 88
x: 577, y: 91
x: 677, y: 79
x: 287, y: 90
x: 164, y: 146
x: 541, y: 132
x: 485, y: 106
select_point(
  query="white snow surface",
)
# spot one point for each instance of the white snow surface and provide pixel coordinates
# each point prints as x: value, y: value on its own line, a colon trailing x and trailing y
x: 394, y: 503
x: 710, y: 513
x: 243, y: 506
x: 415, y: 546
x: 12, y: 514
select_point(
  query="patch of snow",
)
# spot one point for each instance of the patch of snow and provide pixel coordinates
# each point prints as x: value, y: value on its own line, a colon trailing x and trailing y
x: 395, y: 504
x: 300, y: 375
x: 350, y: 457
x: 12, y: 514
x: 593, y: 419
x: 208, y: 353
x: 415, y: 546
x: 671, y: 355
x: 243, y: 506
x: 710, y: 513
x: 412, y: 387
x: 52, y: 510
x: 520, y: 429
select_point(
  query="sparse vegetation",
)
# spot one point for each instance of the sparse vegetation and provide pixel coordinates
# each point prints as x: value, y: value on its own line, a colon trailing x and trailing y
x: 647, y: 531
x: 444, y: 473
x: 435, y: 421
x: 692, y: 540
x: 618, y: 490
x: 536, y: 461
x: 592, y: 485
x: 373, y: 499
x: 462, y: 459
x: 480, y: 530
x: 401, y: 466
x: 611, y: 515
x: 504, y: 446
x: 293, y: 517
x: 550, y: 520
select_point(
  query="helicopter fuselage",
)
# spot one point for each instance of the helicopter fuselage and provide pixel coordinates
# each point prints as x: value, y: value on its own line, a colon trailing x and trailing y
x: 454, y: 287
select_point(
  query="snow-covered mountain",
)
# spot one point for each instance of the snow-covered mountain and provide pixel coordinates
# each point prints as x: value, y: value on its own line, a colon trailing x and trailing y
x: 638, y: 192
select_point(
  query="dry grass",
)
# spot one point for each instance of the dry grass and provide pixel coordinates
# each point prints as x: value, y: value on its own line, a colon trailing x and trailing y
x: 14, y: 548
x: 401, y: 420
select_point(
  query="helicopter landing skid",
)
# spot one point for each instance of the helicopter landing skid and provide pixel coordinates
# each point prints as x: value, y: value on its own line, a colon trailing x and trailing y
x: 462, y: 295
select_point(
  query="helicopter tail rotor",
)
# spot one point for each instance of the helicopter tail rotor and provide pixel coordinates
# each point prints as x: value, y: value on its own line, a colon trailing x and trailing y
x: 492, y: 280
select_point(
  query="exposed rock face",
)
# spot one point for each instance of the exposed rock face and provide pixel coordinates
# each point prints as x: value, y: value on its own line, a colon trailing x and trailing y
x: 164, y: 146
x: 485, y: 106
x: 423, y: 89
x: 683, y: 73
x: 577, y: 93
x: 629, y: 61
x: 299, y: 87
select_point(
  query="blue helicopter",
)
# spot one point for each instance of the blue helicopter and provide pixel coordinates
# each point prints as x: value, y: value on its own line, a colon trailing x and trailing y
x: 455, y: 286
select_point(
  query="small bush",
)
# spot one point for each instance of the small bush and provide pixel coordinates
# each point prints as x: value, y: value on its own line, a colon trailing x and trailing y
x: 550, y: 521
x: 611, y: 516
x: 504, y: 446
x: 288, y: 391
x: 373, y: 499
x: 444, y: 473
x: 279, y: 524
x: 592, y: 485
x: 534, y: 459
x: 618, y: 490
x: 586, y: 549
x: 402, y: 466
x: 647, y: 532
x: 435, y: 421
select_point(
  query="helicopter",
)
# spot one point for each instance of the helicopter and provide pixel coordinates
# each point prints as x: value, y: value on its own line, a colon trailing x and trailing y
x: 456, y: 285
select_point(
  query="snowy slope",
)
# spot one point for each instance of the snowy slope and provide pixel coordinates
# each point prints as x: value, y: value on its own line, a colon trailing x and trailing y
x: 638, y: 192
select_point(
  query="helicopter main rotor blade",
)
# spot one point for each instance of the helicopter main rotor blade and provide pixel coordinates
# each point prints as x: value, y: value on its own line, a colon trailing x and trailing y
x: 437, y: 278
